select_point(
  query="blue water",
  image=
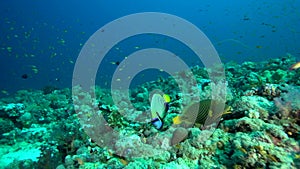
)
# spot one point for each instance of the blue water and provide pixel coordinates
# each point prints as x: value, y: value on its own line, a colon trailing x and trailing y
x: 42, y: 39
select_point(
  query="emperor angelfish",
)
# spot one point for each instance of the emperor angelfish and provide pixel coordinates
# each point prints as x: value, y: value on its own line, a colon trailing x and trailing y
x: 159, y: 107
x: 197, y: 113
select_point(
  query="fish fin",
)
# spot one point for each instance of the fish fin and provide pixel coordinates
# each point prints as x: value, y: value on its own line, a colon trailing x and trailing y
x: 167, y: 98
x: 177, y: 120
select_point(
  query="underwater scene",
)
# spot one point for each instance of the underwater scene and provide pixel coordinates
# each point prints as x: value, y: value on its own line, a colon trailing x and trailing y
x: 150, y: 84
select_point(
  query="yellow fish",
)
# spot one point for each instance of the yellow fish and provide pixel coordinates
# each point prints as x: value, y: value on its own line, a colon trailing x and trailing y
x: 295, y: 66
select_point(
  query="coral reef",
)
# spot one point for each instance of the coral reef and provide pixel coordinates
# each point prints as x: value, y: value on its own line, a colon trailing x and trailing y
x: 48, y: 129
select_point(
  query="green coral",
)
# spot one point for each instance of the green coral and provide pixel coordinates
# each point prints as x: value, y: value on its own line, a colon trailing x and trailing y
x: 279, y: 76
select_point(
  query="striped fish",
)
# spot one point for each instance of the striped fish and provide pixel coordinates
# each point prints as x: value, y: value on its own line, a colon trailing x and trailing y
x: 198, y: 113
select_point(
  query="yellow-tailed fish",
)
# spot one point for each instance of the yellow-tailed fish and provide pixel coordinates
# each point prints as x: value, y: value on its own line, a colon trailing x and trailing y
x: 295, y: 66
x: 198, y: 112
x: 159, y: 107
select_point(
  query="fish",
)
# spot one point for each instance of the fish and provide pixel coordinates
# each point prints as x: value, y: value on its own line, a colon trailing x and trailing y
x: 205, y: 108
x: 123, y: 161
x: 34, y: 68
x: 24, y: 76
x: 295, y: 66
x: 4, y: 92
x: 115, y: 63
x: 159, y: 107
x: 179, y: 135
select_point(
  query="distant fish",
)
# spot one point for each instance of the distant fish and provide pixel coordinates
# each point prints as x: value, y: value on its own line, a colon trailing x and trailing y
x: 34, y: 68
x: 246, y: 18
x: 4, y: 92
x: 159, y: 107
x: 295, y: 66
x: 24, y: 76
x: 205, y: 108
x: 115, y: 63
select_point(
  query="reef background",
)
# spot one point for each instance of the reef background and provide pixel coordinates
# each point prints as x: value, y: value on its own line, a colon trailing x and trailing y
x: 40, y: 129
